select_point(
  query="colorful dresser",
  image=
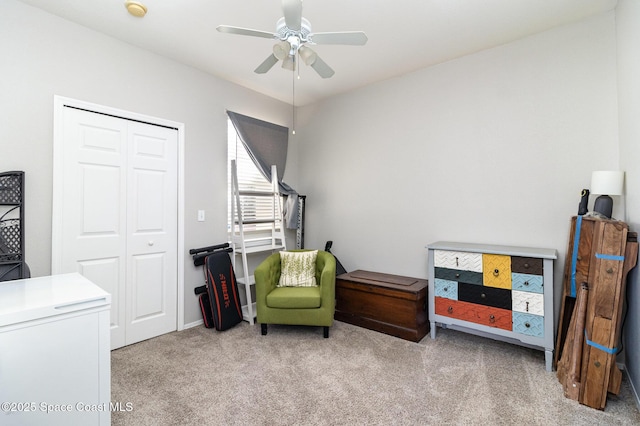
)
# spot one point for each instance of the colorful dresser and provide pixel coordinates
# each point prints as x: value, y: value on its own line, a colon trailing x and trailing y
x: 501, y: 292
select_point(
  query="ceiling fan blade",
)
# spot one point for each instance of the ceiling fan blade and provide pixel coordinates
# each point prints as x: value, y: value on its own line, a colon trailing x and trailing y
x: 266, y: 64
x: 292, y: 13
x: 321, y: 67
x: 355, y: 38
x: 245, y: 31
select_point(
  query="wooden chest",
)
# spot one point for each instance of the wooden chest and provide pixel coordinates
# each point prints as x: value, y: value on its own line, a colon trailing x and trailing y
x: 391, y: 304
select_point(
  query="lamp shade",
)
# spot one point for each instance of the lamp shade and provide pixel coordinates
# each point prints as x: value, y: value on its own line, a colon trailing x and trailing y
x: 607, y: 182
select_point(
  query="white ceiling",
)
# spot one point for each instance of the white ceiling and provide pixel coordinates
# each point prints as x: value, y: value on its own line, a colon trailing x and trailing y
x: 404, y: 35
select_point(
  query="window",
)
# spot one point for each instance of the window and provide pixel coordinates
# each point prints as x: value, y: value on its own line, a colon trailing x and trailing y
x: 249, y: 179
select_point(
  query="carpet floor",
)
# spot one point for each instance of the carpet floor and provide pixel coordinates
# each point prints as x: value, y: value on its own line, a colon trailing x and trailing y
x: 293, y: 376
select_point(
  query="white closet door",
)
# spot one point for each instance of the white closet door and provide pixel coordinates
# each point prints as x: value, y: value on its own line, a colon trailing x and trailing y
x: 152, y: 229
x: 119, y: 218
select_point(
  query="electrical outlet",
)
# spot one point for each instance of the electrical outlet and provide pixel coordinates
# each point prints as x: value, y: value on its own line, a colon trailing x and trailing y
x: 200, y: 215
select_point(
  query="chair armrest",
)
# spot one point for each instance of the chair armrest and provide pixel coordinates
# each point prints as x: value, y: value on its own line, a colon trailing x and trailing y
x: 326, y: 268
x: 267, y: 275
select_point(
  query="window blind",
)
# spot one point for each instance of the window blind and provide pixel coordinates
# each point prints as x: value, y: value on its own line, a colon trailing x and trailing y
x: 249, y: 179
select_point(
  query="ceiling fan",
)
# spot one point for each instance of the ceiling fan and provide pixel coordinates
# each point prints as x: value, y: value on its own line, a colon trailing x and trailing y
x: 294, y: 34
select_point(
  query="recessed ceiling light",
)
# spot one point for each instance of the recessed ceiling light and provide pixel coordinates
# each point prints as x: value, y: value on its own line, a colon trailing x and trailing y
x: 136, y: 8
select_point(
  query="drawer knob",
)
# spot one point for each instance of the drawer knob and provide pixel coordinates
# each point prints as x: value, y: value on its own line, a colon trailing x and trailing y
x: 526, y: 266
x: 610, y: 271
x: 483, y: 296
x: 457, y: 262
x: 526, y: 324
x: 457, y: 275
x: 527, y: 308
x: 492, y: 318
x: 446, y: 289
x: 526, y: 283
x: 450, y: 309
x: 496, y: 272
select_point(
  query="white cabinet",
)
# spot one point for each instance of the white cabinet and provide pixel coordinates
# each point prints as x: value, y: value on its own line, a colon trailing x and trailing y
x: 55, y: 366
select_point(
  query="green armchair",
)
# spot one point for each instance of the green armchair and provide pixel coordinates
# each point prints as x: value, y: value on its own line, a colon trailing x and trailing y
x: 312, y: 306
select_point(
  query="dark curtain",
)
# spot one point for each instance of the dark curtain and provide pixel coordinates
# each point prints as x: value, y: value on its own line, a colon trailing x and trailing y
x: 267, y: 145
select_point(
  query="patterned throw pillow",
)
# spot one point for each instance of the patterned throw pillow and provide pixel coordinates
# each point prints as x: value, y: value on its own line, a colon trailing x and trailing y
x: 298, y: 269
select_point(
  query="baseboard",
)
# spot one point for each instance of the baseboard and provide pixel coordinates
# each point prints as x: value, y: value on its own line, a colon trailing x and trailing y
x: 193, y: 324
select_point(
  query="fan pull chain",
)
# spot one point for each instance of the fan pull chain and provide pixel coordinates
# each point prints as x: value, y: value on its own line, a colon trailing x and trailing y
x: 293, y: 101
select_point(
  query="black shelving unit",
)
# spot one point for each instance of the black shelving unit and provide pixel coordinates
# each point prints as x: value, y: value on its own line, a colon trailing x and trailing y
x: 302, y: 199
x: 12, y: 263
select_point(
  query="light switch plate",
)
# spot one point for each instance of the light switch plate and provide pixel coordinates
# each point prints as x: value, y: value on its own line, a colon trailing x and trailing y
x: 200, y: 215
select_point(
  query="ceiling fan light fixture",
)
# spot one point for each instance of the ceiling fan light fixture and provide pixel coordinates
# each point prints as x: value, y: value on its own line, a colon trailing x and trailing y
x: 289, y: 63
x: 135, y: 8
x: 307, y: 55
x: 281, y: 50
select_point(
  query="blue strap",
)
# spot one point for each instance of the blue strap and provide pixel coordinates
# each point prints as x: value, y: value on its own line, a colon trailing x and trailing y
x: 609, y: 257
x: 599, y: 346
x: 574, y: 256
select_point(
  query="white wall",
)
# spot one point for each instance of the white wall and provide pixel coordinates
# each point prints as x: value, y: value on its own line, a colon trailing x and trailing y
x: 43, y: 56
x: 628, y: 36
x: 489, y: 148
x: 492, y: 148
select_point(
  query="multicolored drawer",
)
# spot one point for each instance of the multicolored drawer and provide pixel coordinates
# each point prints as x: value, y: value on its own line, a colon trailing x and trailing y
x: 528, y: 303
x: 483, y: 295
x: 459, y: 260
x: 496, y: 270
x: 487, y: 315
x: 459, y: 275
x: 532, y: 325
x: 446, y: 289
x: 527, y: 282
x: 499, y: 290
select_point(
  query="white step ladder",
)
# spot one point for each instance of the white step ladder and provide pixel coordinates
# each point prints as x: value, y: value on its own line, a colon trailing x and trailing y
x: 265, y: 241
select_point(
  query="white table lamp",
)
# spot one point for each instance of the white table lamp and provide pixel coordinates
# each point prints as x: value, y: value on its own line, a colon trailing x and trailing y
x: 606, y: 183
